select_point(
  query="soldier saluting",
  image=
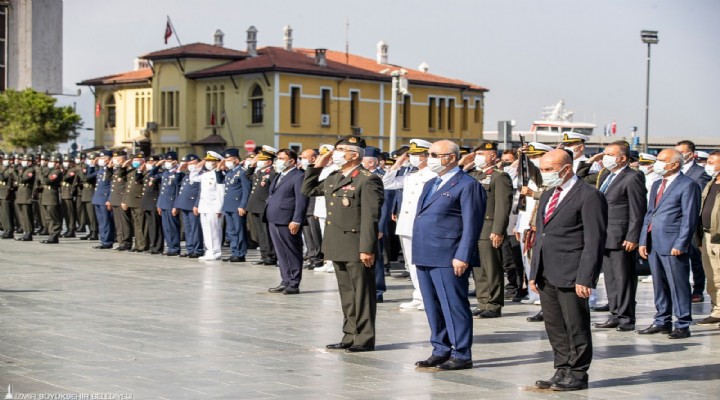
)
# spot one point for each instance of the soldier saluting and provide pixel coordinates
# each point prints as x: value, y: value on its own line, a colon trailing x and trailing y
x: 353, y: 196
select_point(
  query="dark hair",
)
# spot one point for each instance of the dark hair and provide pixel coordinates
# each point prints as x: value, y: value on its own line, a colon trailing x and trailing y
x: 511, y: 152
x: 624, y: 150
x: 714, y: 153
x: 290, y: 153
x: 687, y: 143
x: 570, y: 154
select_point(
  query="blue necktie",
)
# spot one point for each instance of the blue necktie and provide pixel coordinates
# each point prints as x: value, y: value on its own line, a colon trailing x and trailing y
x: 605, y: 184
x: 433, y: 189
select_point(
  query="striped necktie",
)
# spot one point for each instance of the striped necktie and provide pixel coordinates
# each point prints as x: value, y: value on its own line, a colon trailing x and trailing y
x: 553, y: 205
x: 607, y: 182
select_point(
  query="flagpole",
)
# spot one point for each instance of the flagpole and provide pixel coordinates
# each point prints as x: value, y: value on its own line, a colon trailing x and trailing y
x: 174, y: 30
x: 227, y: 121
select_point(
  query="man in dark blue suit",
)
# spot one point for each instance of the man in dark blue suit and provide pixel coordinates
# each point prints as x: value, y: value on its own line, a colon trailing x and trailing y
x: 170, y: 178
x: 237, y: 191
x: 445, y: 235
x: 103, y: 177
x: 285, y: 214
x: 665, y: 240
x: 692, y: 170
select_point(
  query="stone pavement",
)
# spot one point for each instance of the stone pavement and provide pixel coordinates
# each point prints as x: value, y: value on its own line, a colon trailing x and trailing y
x: 124, y: 325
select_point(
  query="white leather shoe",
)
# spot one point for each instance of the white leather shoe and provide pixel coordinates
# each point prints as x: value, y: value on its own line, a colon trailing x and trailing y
x: 412, y: 305
x: 421, y: 307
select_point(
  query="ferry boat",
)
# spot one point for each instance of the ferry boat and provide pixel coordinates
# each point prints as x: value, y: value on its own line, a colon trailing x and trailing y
x: 556, y: 120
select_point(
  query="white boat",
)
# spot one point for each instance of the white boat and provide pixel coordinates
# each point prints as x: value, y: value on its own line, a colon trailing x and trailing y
x: 556, y: 120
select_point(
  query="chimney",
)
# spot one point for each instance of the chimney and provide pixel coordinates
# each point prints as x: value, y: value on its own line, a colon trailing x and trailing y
x: 141, y: 63
x: 424, y: 67
x: 320, y: 57
x: 219, y: 35
x: 252, y: 41
x: 382, y: 53
x: 287, y: 37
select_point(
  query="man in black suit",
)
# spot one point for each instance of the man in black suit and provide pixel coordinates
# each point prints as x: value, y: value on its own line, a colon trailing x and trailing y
x: 571, y: 227
x: 692, y: 170
x: 285, y: 214
x: 311, y: 229
x: 625, y: 192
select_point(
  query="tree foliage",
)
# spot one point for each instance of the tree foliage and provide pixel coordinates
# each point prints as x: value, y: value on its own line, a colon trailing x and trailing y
x: 30, y: 119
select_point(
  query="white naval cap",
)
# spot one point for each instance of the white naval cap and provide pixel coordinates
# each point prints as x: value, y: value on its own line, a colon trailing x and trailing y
x: 536, y: 148
x: 269, y: 149
x: 702, y: 155
x: 418, y: 146
x: 324, y: 148
x: 647, y: 158
x: 213, y: 156
x: 574, y: 137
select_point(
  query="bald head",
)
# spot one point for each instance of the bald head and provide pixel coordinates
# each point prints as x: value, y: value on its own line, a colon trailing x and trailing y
x: 448, y: 154
x: 673, y: 160
x: 559, y: 161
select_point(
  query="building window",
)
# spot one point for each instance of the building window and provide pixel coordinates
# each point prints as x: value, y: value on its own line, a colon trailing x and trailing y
x: 325, y: 101
x: 256, y: 105
x: 354, y: 108
x: 110, y: 107
x: 169, y: 109
x: 477, y: 111
x: 465, y: 115
x: 295, y: 106
x: 214, y: 104
x: 441, y: 114
x: 431, y: 113
x: 3, y: 47
x: 142, y: 109
x: 406, y: 111
x: 451, y: 115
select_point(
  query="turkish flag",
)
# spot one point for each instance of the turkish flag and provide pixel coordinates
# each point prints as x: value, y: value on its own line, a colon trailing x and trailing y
x: 614, y: 128
x: 97, y: 109
x: 168, y: 31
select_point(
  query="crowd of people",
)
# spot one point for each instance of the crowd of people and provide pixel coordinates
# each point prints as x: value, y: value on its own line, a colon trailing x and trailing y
x: 537, y: 225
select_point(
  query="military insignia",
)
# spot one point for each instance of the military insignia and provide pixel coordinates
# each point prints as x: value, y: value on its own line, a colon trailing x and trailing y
x: 119, y: 179
x: 345, y: 202
x: 566, y: 137
x: 84, y: 171
x: 262, y: 183
x: 29, y: 174
x: 356, y: 172
x: 352, y: 140
x: 72, y: 174
x: 348, y: 187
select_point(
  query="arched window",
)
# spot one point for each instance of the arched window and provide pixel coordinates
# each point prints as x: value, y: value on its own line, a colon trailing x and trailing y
x: 110, y: 107
x: 215, y: 104
x: 256, y: 100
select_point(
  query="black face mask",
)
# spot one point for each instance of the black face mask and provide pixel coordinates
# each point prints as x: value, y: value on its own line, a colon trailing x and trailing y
x: 506, y: 164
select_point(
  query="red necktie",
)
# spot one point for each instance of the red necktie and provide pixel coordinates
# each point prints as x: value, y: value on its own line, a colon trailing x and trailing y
x: 659, y: 196
x: 553, y: 205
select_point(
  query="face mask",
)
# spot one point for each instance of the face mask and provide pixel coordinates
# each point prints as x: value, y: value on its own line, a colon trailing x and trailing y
x: 659, y: 168
x: 406, y: 164
x: 338, y: 158
x: 24, y: 163
x: 6, y: 163
x: 116, y: 162
x: 246, y: 164
x: 415, y: 161
x: 510, y: 170
x: 552, y: 179
x: 88, y: 162
x: 480, y: 162
x: 506, y: 164
x: 280, y: 166
x: 66, y: 164
x: 688, y: 157
x: 435, y: 165
x: 78, y: 161
x: 535, y: 161
x: 136, y: 164
x: 209, y: 165
x: 150, y: 166
x: 710, y: 170
x: 646, y: 169
x: 609, y: 162
x: 263, y: 164
x: 231, y: 164
x: 51, y: 165
x: 102, y: 162
x: 168, y: 165
x: 305, y: 163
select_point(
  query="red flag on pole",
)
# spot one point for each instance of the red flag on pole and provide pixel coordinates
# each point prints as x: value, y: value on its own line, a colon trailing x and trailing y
x: 168, y: 31
x: 98, y: 108
x: 222, y: 118
x: 212, y: 118
x: 614, y: 128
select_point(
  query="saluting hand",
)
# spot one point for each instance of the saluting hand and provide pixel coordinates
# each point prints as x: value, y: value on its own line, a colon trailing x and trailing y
x: 323, y: 160
x: 368, y: 259
x: 400, y: 161
x: 467, y: 159
x: 459, y: 266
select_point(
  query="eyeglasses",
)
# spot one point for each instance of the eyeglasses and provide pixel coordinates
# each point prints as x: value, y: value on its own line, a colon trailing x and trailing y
x: 438, y: 155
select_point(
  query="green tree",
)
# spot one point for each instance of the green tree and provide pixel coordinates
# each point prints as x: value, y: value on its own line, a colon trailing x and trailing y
x: 29, y: 119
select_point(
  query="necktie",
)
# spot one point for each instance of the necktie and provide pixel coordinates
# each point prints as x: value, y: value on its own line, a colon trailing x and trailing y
x: 659, y: 196
x: 433, y: 189
x: 553, y: 205
x: 606, y: 184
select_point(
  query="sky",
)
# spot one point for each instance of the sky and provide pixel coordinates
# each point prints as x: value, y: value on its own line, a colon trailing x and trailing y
x: 528, y: 53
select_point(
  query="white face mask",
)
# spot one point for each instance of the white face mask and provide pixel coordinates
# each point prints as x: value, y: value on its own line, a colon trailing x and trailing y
x: 688, y: 157
x: 415, y: 161
x: 646, y: 169
x: 710, y: 170
x: 338, y: 158
x: 305, y: 163
x: 246, y: 164
x: 6, y: 163
x: 116, y: 161
x: 191, y: 168
x: 659, y: 168
x: 51, y: 164
x: 263, y: 164
x: 209, y: 165
x: 480, y: 162
x: 88, y: 162
x: 280, y: 166
x: 230, y: 164
x: 24, y: 163
x: 609, y: 162
x: 552, y: 179
x: 535, y: 161
x: 102, y: 162
x: 168, y: 165
x: 78, y: 161
x: 435, y: 165
x: 66, y: 164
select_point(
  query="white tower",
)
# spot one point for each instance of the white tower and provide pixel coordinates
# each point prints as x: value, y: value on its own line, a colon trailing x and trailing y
x: 252, y: 41
x: 382, y: 52
x: 219, y: 36
x: 287, y: 37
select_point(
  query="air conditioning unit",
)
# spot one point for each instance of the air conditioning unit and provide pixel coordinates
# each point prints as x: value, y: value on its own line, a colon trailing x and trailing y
x: 325, y: 119
x: 151, y: 127
x: 357, y: 131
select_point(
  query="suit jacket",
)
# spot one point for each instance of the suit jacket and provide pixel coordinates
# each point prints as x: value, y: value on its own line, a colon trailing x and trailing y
x: 714, y: 215
x: 353, y: 210
x: 569, y: 248
x: 675, y: 218
x: 447, y: 225
x: 188, y: 192
x: 170, y: 181
x: 627, y: 204
x: 286, y: 203
x: 698, y: 174
x: 237, y: 190
x: 498, y: 187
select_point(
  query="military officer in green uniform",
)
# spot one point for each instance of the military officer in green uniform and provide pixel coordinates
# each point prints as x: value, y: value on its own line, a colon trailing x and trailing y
x: 67, y: 197
x: 121, y: 217
x: 7, y: 209
x: 25, y: 181
x: 354, y: 197
x: 51, y: 181
x: 86, y: 190
x: 132, y: 200
x: 489, y: 276
x: 80, y: 211
x: 38, y: 210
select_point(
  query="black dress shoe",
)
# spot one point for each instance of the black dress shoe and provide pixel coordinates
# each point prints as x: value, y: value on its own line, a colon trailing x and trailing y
x: 709, y: 321
x: 291, y: 290
x: 183, y: 255
x: 122, y: 248
x: 653, y: 329
x: 569, y: 383
x: 103, y: 246
x: 172, y: 254
x: 193, y: 256
x: 84, y: 237
x: 604, y: 308
x: 153, y: 252
x: 68, y: 235
x: 431, y: 362
x: 607, y: 324
x: 235, y: 259
x: 454, y: 364
x: 359, y: 349
x: 679, y: 333
x: 490, y: 314
x: 626, y: 327
x: 547, y: 384
x: 260, y: 262
x: 7, y: 237
x: 24, y: 239
x: 537, y: 317
x: 50, y: 241
x: 277, y: 289
x: 338, y: 346
x: 379, y: 299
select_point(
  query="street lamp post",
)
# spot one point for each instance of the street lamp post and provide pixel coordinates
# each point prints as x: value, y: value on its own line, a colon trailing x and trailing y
x: 399, y: 85
x: 649, y: 37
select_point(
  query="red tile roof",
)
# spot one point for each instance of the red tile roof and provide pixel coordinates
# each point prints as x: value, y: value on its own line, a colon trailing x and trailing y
x: 210, y: 140
x: 196, y: 50
x: 414, y: 76
x: 138, y: 76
